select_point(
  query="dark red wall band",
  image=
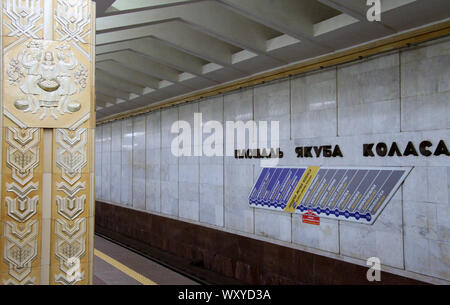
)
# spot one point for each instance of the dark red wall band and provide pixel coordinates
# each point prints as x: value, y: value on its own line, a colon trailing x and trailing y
x: 246, y: 260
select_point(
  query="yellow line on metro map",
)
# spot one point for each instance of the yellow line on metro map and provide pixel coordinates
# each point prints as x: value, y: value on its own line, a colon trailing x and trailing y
x: 303, y: 185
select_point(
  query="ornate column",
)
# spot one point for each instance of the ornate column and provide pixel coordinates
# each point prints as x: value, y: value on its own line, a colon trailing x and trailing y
x: 47, y: 116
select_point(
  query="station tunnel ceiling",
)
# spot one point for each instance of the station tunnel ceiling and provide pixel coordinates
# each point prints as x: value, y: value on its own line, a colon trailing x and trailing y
x: 151, y: 51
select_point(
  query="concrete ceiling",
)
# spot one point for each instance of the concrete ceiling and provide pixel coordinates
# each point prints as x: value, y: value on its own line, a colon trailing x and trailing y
x: 152, y: 50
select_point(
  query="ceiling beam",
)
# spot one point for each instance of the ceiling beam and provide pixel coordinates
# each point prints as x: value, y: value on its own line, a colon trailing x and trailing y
x: 101, y: 103
x: 107, y: 101
x: 358, y: 10
x: 179, y: 36
x: 105, y: 98
x: 109, y: 90
x: 126, y: 5
x: 207, y: 16
x: 333, y: 24
x: 130, y: 75
x: 141, y: 63
x: 118, y: 83
x: 159, y: 52
x: 295, y: 18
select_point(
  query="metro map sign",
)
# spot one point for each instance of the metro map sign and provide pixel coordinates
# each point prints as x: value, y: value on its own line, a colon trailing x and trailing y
x: 351, y: 194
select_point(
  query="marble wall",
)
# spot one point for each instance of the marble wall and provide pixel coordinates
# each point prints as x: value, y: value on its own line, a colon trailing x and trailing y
x: 401, y: 96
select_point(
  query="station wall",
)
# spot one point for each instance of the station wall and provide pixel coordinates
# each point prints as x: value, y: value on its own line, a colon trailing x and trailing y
x: 397, y: 97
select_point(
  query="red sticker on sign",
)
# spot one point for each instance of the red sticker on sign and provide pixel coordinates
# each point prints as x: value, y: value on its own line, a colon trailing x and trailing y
x: 311, y: 218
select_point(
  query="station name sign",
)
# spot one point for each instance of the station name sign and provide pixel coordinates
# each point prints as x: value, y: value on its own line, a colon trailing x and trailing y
x: 326, y: 151
x: 425, y: 148
x: 381, y: 149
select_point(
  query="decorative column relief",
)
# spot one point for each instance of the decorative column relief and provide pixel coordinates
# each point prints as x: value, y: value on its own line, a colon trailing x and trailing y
x: 21, y: 197
x: 48, y: 75
x: 74, y: 24
x: 72, y: 20
x: 46, y: 211
x: 22, y: 19
x: 47, y: 84
x: 70, y: 225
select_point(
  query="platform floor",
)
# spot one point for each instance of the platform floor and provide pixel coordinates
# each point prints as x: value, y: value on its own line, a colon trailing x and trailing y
x: 116, y: 265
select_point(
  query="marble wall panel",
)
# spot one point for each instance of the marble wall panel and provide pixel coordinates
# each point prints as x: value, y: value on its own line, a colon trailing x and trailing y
x: 116, y: 156
x: 169, y: 164
x: 369, y: 96
x: 98, y: 161
x: 106, y: 162
x: 211, y: 168
x: 238, y: 174
x: 383, y: 239
x: 324, y: 237
x: 139, y: 162
x: 188, y: 168
x: 273, y: 224
x: 314, y: 107
x: 426, y: 86
x: 272, y: 102
x: 153, y: 161
x: 126, y: 182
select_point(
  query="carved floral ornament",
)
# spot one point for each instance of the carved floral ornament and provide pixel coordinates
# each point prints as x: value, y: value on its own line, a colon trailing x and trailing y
x: 70, y: 227
x: 48, y: 78
x: 72, y: 19
x: 24, y: 17
x: 21, y: 200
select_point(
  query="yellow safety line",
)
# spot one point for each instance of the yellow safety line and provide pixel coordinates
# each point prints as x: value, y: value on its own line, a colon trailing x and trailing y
x: 118, y: 265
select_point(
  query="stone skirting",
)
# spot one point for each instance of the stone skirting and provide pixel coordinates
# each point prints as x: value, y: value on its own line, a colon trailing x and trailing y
x: 246, y: 260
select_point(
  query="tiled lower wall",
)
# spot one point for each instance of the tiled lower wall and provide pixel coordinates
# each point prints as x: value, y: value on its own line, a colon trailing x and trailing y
x: 402, y: 96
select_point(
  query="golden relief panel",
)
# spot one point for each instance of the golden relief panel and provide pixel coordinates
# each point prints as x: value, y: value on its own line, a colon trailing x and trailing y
x: 46, y: 219
x: 46, y: 84
x: 21, y: 208
x: 70, y: 221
